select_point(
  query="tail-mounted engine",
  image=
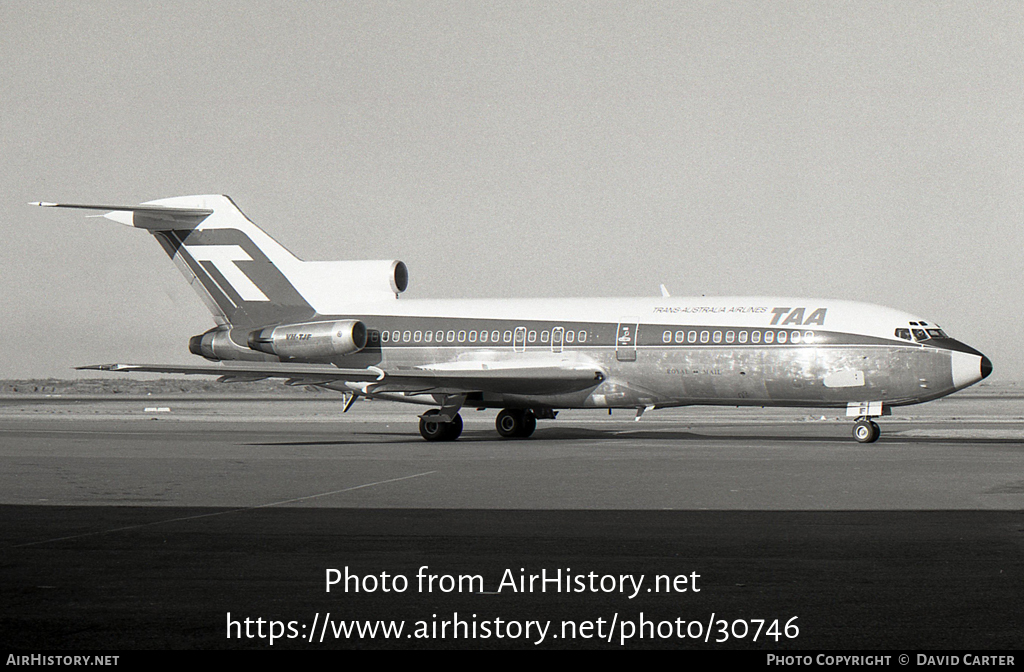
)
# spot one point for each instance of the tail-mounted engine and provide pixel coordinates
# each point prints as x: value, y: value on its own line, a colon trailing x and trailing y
x: 311, y: 340
x: 222, y: 343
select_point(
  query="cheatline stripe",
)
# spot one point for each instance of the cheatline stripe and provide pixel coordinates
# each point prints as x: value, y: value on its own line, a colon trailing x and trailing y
x: 224, y: 513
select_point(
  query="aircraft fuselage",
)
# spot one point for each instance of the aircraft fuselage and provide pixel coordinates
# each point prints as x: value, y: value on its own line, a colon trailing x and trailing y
x: 743, y: 351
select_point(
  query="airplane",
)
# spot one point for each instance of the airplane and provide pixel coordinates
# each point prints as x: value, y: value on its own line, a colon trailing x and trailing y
x: 341, y: 325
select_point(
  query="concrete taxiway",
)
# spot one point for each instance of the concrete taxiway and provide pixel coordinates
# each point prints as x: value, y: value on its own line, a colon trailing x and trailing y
x: 141, y: 522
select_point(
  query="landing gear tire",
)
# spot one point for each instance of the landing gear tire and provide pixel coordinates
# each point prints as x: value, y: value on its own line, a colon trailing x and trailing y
x: 529, y: 424
x: 435, y: 430
x: 866, y: 431
x: 516, y: 423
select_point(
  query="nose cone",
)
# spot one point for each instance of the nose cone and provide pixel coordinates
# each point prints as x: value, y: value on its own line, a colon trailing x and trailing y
x: 969, y: 367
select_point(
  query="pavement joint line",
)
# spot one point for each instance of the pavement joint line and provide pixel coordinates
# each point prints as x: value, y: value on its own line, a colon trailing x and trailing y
x: 224, y: 513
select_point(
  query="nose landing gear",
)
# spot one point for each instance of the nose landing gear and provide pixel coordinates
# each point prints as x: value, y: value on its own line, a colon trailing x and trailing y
x: 866, y: 431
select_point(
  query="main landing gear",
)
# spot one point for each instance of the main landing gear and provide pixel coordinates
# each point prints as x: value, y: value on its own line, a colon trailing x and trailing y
x: 438, y: 430
x: 511, y: 423
x: 866, y: 430
x: 516, y: 423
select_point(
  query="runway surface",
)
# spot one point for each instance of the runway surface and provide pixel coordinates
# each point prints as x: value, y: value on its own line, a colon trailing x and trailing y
x: 128, y: 526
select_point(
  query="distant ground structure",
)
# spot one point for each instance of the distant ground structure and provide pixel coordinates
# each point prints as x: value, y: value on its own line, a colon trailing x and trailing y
x: 163, y: 386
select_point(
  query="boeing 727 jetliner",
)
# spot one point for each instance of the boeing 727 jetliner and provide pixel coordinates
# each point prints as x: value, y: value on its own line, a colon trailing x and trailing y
x: 340, y: 325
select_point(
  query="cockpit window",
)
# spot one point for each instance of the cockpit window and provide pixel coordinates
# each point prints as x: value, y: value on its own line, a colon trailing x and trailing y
x: 919, y: 334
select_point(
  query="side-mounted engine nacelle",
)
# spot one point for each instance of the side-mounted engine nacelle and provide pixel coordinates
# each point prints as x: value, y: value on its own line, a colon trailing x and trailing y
x: 311, y: 340
x: 221, y: 344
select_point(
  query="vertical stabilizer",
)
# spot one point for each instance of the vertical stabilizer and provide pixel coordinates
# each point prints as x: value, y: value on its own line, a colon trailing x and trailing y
x: 245, y: 277
x: 239, y: 271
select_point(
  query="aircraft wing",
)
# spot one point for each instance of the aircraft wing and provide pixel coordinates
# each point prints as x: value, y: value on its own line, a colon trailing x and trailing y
x: 439, y: 379
x: 301, y: 374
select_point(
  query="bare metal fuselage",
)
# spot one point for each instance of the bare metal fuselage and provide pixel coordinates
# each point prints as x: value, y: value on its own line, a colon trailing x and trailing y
x: 662, y: 364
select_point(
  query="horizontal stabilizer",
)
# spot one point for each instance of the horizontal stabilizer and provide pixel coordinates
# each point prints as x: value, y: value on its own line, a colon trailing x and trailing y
x: 155, y: 217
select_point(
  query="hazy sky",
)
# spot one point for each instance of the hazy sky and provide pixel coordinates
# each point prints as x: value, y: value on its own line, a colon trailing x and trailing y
x: 872, y: 152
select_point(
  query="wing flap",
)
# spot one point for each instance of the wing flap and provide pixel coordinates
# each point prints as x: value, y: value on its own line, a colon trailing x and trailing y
x: 526, y: 380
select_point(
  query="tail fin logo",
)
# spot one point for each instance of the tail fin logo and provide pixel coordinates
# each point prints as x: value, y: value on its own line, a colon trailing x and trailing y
x: 234, y: 276
x: 223, y: 258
